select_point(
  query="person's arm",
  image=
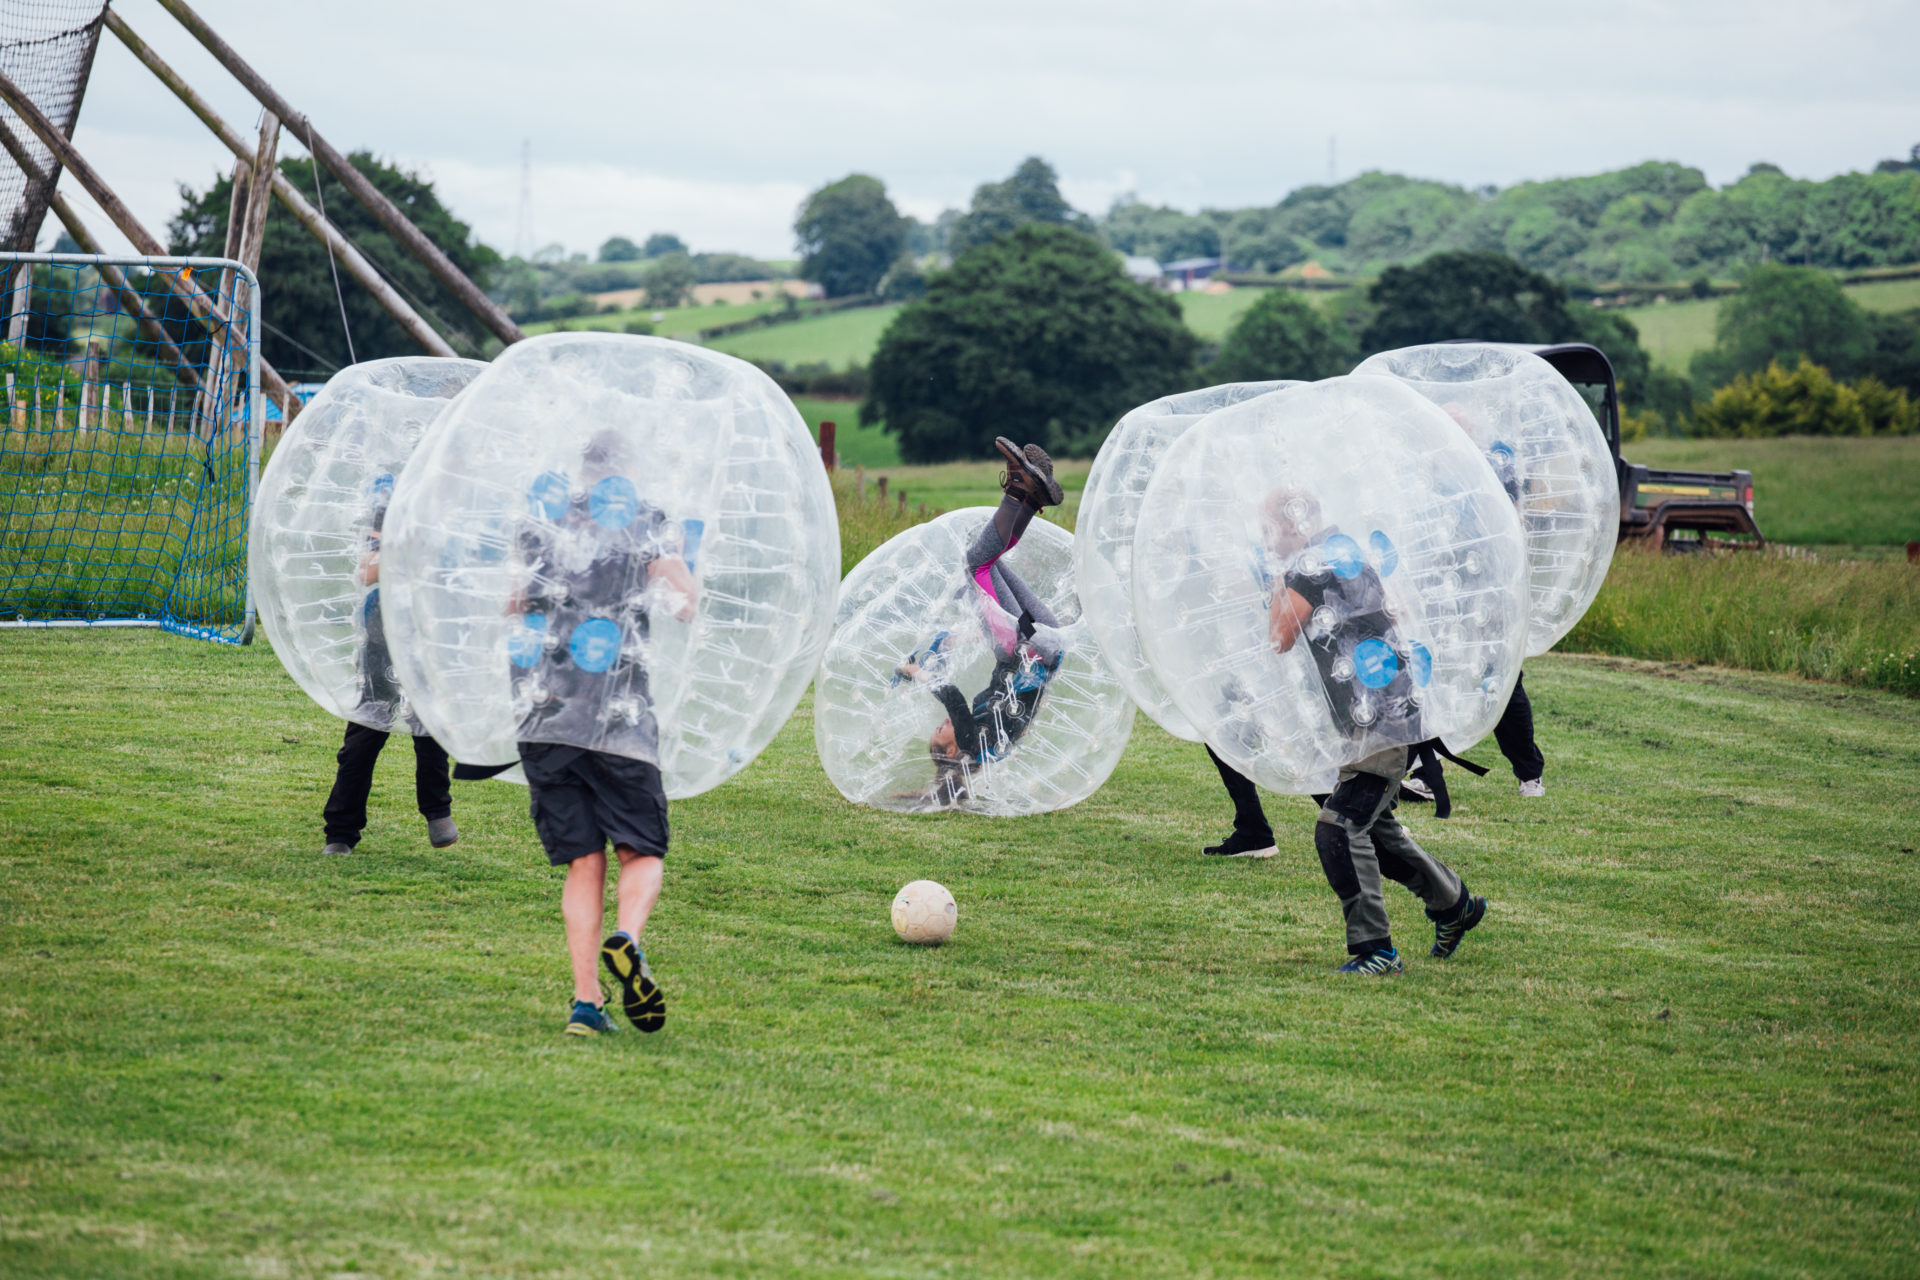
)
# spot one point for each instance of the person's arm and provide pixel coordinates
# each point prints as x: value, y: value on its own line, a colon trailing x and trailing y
x: 966, y: 734
x: 673, y: 571
x: 1286, y: 618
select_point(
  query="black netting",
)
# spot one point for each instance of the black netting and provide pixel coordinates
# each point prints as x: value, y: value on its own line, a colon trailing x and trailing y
x: 46, y: 47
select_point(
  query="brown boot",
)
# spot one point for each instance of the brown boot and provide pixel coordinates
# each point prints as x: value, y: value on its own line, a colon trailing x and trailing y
x: 1029, y: 474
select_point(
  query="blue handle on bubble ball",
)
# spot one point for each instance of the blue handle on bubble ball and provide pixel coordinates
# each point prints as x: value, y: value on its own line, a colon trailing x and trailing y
x: 690, y: 545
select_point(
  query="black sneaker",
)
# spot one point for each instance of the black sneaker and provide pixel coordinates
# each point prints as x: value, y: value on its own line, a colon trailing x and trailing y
x: 1447, y: 936
x: 1029, y: 474
x: 1242, y: 845
x: 640, y: 995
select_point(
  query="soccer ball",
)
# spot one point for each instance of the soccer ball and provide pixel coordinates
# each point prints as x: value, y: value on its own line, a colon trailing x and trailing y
x: 923, y: 912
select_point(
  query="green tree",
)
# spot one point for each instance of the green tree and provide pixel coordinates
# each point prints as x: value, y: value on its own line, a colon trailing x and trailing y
x: 1895, y: 359
x: 1037, y: 335
x: 1032, y: 194
x: 662, y: 243
x: 1466, y: 294
x: 849, y: 234
x: 618, y: 249
x: 1282, y: 336
x: 1785, y: 314
x: 1805, y: 400
x: 302, y: 321
x: 669, y: 280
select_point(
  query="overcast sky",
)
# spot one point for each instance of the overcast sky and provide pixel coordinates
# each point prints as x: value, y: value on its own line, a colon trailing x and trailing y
x: 714, y: 119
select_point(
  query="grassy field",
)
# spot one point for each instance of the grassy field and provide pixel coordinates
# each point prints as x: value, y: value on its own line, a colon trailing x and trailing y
x: 1673, y: 331
x: 1685, y: 1043
x: 673, y: 322
x: 839, y: 339
x: 1852, y: 621
x: 1813, y: 491
x: 857, y: 446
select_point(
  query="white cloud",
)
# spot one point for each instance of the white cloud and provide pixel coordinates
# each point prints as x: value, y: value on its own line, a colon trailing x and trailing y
x: 714, y: 119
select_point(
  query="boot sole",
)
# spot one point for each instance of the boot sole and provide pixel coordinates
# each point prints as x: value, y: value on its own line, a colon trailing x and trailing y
x: 640, y: 996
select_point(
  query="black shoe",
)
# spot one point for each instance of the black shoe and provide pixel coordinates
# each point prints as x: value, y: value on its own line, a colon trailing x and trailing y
x: 1242, y: 845
x: 640, y: 995
x: 1029, y: 474
x: 1447, y: 936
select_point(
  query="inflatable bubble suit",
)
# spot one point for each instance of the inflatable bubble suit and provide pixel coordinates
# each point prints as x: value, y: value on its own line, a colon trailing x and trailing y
x: 1103, y: 537
x: 1049, y: 742
x: 1354, y: 512
x: 619, y: 543
x: 1550, y: 453
x: 313, y: 552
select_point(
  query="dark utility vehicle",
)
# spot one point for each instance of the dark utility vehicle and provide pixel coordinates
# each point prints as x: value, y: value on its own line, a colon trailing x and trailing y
x: 1653, y: 503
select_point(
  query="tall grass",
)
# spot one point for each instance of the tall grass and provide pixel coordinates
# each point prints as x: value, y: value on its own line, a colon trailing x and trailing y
x: 1851, y: 621
x: 867, y: 519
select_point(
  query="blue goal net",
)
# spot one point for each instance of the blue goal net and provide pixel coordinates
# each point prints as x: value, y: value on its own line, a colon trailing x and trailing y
x: 131, y: 442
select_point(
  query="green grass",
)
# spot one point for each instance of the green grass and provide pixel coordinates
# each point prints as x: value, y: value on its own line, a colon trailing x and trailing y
x: 1210, y: 315
x: 1672, y: 332
x: 1850, y: 621
x: 948, y: 485
x: 1813, y: 491
x: 857, y: 446
x: 840, y: 338
x: 1683, y: 1044
x: 673, y: 322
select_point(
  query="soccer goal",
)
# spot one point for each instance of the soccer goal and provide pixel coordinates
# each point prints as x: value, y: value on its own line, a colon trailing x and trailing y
x: 131, y: 446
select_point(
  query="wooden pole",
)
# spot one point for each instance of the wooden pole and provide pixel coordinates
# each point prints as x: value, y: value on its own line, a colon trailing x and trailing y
x: 289, y: 196
x: 22, y: 300
x: 172, y: 402
x: 130, y: 299
x: 116, y: 209
x: 396, y: 222
x: 827, y: 455
x: 13, y: 410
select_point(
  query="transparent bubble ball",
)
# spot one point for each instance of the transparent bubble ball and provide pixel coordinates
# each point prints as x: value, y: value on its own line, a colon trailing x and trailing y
x: 913, y: 600
x: 312, y: 553
x: 1550, y: 453
x: 1305, y: 493
x: 1109, y: 515
x: 533, y: 544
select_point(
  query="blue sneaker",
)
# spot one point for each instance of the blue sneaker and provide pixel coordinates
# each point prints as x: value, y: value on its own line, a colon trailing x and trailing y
x: 1447, y: 936
x: 589, y: 1020
x: 1376, y: 964
x: 640, y: 995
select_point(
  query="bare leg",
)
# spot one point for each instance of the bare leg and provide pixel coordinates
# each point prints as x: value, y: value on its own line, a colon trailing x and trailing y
x: 640, y: 876
x: 583, y: 905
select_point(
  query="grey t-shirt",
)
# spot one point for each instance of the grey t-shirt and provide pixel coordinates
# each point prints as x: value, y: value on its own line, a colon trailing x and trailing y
x: 579, y: 675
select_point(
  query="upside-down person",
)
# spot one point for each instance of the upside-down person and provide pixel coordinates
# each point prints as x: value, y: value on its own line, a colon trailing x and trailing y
x: 1336, y: 605
x: 1027, y: 648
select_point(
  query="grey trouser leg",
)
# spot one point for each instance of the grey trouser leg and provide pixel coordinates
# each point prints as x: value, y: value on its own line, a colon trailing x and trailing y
x: 1360, y: 841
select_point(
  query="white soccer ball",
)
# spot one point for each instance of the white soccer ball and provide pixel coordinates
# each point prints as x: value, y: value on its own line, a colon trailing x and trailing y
x: 924, y: 913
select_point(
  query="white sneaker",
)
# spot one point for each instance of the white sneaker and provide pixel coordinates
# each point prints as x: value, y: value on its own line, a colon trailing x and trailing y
x: 1533, y: 788
x: 1417, y: 789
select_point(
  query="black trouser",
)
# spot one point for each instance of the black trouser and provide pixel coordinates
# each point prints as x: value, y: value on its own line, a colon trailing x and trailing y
x: 346, y: 812
x: 1249, y: 819
x: 1514, y: 733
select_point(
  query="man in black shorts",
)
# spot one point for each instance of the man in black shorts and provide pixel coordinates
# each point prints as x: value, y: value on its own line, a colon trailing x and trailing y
x: 598, y: 560
x: 382, y: 701
x: 1332, y: 599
